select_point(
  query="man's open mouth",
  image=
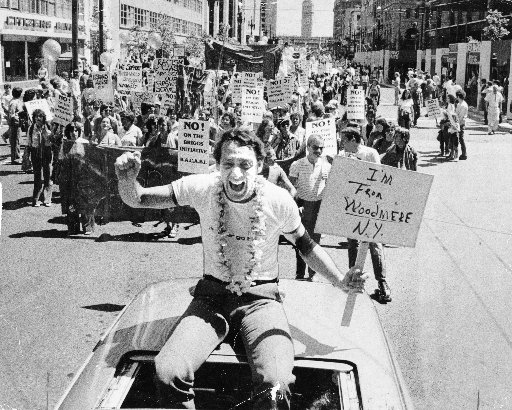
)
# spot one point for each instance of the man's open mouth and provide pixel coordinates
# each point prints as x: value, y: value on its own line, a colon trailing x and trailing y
x: 237, y: 187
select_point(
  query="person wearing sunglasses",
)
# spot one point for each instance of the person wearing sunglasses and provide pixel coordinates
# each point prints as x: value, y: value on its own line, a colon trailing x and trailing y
x: 309, y: 175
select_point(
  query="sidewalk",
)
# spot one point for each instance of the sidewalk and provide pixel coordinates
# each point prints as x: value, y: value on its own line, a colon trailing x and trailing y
x: 478, y: 116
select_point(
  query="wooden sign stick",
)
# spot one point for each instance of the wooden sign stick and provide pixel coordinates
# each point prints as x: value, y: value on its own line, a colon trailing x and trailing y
x: 362, y: 251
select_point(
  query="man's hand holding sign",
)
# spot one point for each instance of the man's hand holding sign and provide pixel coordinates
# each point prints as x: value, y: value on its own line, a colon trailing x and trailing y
x: 371, y: 202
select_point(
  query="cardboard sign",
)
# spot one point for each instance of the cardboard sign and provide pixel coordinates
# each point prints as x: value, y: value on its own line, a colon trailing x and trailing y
x: 302, y: 69
x: 103, y: 86
x: 252, y: 105
x: 355, y: 104
x: 373, y: 202
x: 236, y: 88
x: 251, y: 80
x: 433, y: 108
x: 280, y: 92
x: 149, y: 79
x: 42, y: 105
x: 166, y: 75
x: 168, y: 101
x: 326, y: 129
x: 63, y: 112
x: 139, y: 97
x: 193, y: 146
x: 130, y: 79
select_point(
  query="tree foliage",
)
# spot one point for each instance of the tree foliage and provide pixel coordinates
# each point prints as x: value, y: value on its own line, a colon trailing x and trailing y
x: 496, y: 25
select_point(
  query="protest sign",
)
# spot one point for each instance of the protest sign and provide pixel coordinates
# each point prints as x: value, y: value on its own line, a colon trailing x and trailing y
x: 280, y: 92
x: 139, y: 97
x: 193, y: 146
x: 373, y: 202
x: 236, y: 88
x: 433, y: 108
x: 148, y: 76
x: 103, y: 86
x: 355, y: 104
x: 251, y: 80
x: 166, y: 75
x: 302, y: 69
x: 252, y: 105
x: 168, y: 101
x: 178, y: 51
x: 63, y: 113
x: 130, y: 78
x: 42, y: 105
x: 326, y: 129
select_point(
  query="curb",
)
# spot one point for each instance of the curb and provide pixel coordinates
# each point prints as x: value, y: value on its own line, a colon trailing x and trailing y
x: 479, y: 117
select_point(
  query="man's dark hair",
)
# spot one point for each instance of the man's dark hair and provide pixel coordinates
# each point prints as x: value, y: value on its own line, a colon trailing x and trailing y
x: 29, y: 94
x: 403, y: 133
x: 144, y: 107
x: 244, y: 138
x: 352, y: 134
x: 68, y: 131
x: 128, y: 115
x: 461, y: 94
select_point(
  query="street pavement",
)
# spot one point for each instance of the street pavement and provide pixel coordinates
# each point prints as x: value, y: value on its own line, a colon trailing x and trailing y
x: 449, y: 321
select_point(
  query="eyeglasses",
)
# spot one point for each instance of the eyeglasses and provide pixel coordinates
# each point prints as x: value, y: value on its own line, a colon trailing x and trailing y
x: 315, y: 147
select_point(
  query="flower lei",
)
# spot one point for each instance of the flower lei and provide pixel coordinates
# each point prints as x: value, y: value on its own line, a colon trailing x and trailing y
x: 240, y: 282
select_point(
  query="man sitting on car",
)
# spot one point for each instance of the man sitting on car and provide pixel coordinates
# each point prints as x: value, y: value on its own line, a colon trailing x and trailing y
x: 242, y: 216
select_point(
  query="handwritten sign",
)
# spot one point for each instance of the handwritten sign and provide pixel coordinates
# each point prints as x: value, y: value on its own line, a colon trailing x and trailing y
x: 373, y: 203
x: 303, y: 71
x: 433, y: 108
x: 280, y: 92
x: 168, y: 101
x: 103, y: 86
x: 326, y: 129
x: 42, y: 105
x: 252, y: 105
x: 130, y: 78
x: 193, y: 146
x: 63, y: 113
x: 139, y: 97
x: 166, y: 75
x: 355, y: 104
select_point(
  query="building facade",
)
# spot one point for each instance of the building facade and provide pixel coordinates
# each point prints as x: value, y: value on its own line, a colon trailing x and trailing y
x: 26, y: 25
x: 307, y: 18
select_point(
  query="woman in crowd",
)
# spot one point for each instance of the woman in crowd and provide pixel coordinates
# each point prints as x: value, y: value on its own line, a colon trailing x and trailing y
x: 107, y: 136
x: 396, y: 85
x: 453, y: 129
x: 379, y: 130
x: 374, y: 92
x: 227, y: 122
x: 39, y: 143
x: 406, y: 110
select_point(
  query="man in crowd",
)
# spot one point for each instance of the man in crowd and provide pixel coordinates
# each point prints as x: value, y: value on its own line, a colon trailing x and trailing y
x: 352, y: 142
x: 238, y: 293
x: 462, y: 113
x: 308, y: 175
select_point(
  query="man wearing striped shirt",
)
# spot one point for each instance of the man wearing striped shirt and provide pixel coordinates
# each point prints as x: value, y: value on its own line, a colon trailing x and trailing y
x: 309, y: 175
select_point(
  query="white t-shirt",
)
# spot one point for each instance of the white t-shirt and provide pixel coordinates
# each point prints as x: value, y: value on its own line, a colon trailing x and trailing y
x: 132, y: 137
x: 279, y: 208
x: 363, y: 153
x: 310, y: 178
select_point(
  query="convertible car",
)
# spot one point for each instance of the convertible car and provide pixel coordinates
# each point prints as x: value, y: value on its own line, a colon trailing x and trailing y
x: 338, y: 365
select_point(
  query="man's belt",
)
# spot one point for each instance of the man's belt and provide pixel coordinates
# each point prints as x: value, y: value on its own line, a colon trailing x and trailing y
x: 254, y: 282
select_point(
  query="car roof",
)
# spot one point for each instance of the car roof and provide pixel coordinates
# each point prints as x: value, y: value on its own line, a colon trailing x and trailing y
x: 314, y: 311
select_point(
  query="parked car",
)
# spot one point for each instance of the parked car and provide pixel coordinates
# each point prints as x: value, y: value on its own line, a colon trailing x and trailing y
x: 343, y: 367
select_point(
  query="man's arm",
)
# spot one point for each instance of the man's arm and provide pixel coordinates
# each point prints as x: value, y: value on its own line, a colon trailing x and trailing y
x: 320, y: 261
x: 127, y: 168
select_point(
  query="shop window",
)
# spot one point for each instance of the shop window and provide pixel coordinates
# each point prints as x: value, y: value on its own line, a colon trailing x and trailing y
x: 14, y: 60
x: 15, y: 4
x: 4, y: 4
x: 44, y: 7
x: 24, y: 5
